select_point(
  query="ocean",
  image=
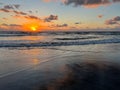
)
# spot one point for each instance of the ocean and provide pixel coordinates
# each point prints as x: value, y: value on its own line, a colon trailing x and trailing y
x: 32, y: 60
x: 46, y: 39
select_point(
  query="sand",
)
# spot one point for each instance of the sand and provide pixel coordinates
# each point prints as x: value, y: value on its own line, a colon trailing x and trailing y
x: 92, y: 67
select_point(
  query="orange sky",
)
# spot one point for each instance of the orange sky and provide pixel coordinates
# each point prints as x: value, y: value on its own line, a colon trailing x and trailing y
x: 43, y: 15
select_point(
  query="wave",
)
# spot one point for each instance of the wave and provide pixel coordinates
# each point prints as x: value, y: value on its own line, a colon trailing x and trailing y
x: 77, y: 38
x: 20, y: 33
x: 15, y: 43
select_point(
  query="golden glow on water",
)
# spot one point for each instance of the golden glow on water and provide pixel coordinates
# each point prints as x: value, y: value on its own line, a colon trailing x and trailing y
x: 35, y: 61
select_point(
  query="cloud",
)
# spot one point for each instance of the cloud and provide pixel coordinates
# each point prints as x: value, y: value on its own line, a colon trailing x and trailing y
x: 30, y: 11
x: 4, y: 10
x: 113, y: 21
x: 50, y: 18
x: 63, y: 25
x: 117, y: 18
x: 116, y: 0
x: 5, y: 26
x: 110, y: 22
x: 77, y: 23
x: 8, y: 7
x: 88, y: 3
x: 85, y: 2
x: 15, y: 6
x: 13, y: 11
x: 19, y: 12
x: 100, y: 16
x: 32, y: 17
x: 15, y: 25
x: 11, y: 25
x: 4, y: 18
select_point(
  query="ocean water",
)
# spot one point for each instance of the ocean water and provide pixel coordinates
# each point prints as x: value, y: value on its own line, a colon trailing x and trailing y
x: 39, y: 58
x: 44, y: 39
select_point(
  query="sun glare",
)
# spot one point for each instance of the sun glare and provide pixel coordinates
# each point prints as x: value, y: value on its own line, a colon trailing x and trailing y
x: 33, y: 28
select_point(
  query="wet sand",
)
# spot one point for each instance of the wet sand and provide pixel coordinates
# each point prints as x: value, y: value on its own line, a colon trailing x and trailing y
x: 92, y: 67
x: 87, y: 76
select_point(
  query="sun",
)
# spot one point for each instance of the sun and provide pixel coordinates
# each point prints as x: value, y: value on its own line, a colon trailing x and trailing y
x: 33, y: 28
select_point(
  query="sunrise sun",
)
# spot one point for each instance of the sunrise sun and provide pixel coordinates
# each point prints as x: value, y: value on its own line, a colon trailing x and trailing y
x: 33, y: 28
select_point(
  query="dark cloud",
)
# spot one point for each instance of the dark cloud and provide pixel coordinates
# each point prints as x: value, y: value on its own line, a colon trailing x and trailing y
x: 33, y: 17
x: 23, y: 14
x: 89, y: 2
x: 63, y: 25
x: 4, y: 10
x: 116, y: 0
x: 19, y: 12
x: 15, y: 6
x: 113, y: 21
x: 117, y: 18
x: 8, y: 7
x: 13, y: 25
x: 4, y: 24
x: 78, y: 23
x: 50, y: 18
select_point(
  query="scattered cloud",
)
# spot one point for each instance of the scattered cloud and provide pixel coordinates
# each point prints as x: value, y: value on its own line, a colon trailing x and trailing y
x: 63, y: 25
x: 30, y: 11
x: 11, y: 25
x: 110, y: 22
x: 5, y: 26
x: 15, y: 6
x: 8, y: 7
x: 19, y: 12
x: 77, y: 23
x: 4, y: 10
x: 32, y: 17
x: 4, y: 18
x: 113, y: 21
x: 100, y: 16
x: 86, y: 3
x: 50, y: 18
x: 117, y: 18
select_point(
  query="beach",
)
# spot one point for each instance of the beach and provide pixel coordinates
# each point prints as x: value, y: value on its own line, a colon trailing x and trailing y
x: 59, y: 45
x: 93, y: 66
x: 38, y: 68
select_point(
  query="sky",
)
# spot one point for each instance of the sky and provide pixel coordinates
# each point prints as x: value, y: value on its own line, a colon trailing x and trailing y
x: 42, y: 15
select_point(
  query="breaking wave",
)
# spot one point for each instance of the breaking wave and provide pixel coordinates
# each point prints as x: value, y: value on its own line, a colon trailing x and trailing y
x: 15, y: 43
